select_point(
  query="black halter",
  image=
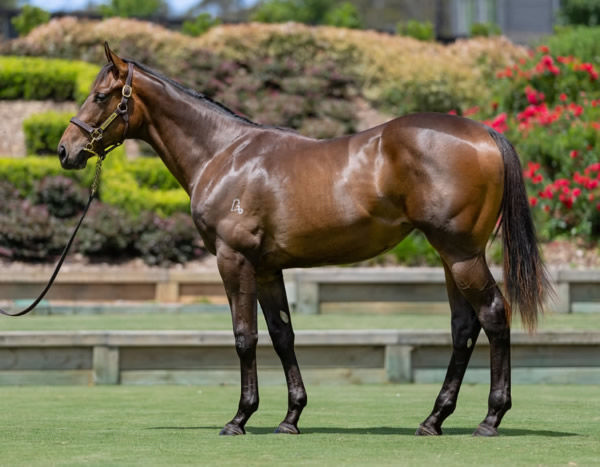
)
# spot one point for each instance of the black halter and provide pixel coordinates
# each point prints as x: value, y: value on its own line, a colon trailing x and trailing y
x: 96, y: 134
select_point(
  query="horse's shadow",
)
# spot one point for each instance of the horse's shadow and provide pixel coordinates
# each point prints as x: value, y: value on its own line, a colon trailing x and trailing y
x: 379, y: 430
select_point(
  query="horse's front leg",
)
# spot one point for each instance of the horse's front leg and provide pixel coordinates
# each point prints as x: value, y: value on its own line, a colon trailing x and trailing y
x: 240, y: 285
x: 273, y: 301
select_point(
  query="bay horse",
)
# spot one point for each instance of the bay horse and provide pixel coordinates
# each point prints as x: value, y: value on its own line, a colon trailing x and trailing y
x: 265, y: 199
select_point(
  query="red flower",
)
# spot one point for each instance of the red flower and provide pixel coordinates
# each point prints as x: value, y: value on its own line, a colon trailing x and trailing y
x: 498, y: 123
x: 471, y: 111
x: 563, y: 97
x: 544, y: 49
x: 533, y: 201
x: 573, y: 154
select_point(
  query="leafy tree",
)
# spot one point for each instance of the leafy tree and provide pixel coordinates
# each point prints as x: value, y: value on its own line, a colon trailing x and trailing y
x: 583, y: 12
x: 277, y: 11
x: 134, y: 8
x: 309, y: 12
x: 30, y: 18
x: 344, y: 15
x: 199, y: 25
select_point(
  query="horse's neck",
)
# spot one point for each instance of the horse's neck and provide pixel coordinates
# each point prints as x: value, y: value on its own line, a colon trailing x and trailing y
x: 185, y: 131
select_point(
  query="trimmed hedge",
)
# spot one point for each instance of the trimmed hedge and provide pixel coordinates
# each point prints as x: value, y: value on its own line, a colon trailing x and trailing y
x: 44, y: 130
x: 134, y: 186
x: 24, y: 173
x: 42, y: 202
x: 40, y: 78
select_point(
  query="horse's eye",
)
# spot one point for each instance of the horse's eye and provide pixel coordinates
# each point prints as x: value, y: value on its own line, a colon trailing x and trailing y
x: 99, y: 97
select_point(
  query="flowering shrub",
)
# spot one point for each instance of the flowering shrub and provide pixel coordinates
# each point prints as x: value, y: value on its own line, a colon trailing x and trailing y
x: 549, y: 107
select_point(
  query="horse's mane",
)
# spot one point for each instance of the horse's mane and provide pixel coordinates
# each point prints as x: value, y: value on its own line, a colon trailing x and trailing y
x: 193, y: 93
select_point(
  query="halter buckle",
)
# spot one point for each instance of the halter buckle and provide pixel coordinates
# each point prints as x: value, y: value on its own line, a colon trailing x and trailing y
x: 126, y: 91
x: 96, y: 134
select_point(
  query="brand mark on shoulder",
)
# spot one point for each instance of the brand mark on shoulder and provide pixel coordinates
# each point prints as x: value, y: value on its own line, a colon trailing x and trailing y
x: 236, y: 206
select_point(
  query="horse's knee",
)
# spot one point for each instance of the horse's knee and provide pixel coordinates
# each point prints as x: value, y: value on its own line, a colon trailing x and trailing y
x: 245, y: 344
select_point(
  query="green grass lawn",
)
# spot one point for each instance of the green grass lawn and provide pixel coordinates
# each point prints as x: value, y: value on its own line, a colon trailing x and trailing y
x: 342, y: 425
x: 222, y: 320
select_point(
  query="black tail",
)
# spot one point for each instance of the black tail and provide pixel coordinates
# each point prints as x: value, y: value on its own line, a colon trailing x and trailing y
x: 525, y: 277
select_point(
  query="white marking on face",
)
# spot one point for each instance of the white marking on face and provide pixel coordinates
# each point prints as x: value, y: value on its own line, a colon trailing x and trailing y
x: 237, y: 206
x: 469, y: 343
x: 284, y: 317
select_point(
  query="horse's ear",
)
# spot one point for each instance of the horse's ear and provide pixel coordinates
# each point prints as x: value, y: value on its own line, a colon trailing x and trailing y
x: 119, y: 66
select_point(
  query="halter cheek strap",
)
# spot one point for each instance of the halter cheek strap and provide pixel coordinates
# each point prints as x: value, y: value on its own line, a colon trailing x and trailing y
x: 96, y: 134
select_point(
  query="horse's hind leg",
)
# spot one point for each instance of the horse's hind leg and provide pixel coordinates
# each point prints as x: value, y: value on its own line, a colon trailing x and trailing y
x: 476, y: 283
x: 465, y: 330
x: 273, y: 301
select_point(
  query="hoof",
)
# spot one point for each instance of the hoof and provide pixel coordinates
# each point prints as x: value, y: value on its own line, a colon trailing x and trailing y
x: 231, y: 430
x: 485, y: 430
x: 427, y: 431
x: 287, y: 428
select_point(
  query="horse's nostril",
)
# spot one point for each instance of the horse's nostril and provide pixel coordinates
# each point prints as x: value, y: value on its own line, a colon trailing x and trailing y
x: 62, y: 152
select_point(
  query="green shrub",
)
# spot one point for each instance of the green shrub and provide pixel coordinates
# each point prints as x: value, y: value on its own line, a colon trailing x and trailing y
x: 30, y: 18
x: 437, y: 95
x: 39, y: 78
x: 344, y: 15
x: 61, y: 195
x: 120, y: 187
x: 583, y: 12
x: 421, y: 30
x: 415, y: 250
x: 485, y: 30
x: 41, y: 202
x: 580, y: 41
x: 199, y: 25
x: 29, y: 232
x: 167, y: 240
x: 24, y: 173
x: 151, y: 173
x: 44, y: 130
x: 108, y: 231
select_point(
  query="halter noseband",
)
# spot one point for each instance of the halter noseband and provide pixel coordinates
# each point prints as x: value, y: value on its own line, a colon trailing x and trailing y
x: 96, y: 134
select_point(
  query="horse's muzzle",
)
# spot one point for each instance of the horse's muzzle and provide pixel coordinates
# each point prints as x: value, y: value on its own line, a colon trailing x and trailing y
x: 77, y: 162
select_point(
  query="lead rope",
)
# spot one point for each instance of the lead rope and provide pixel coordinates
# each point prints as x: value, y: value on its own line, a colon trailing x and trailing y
x: 93, y: 191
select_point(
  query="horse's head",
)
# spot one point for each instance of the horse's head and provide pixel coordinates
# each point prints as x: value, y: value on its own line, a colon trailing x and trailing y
x: 104, y: 118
